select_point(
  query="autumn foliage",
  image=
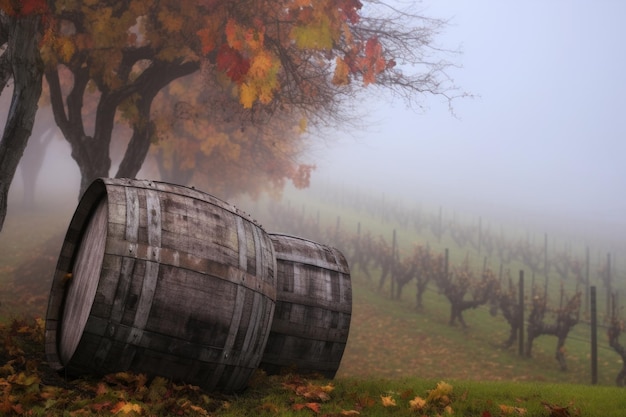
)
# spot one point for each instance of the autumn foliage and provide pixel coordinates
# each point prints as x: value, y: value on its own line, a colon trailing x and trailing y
x: 205, y: 139
x: 276, y: 65
x: 28, y: 387
x: 20, y: 8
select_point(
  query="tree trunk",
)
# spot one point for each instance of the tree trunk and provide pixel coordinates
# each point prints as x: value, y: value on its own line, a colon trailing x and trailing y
x: 92, y: 153
x: 22, y: 52
x: 32, y: 162
x: 161, y: 75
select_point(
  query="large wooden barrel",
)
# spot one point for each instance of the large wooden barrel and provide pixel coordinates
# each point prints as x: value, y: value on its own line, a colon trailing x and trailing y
x: 313, y: 308
x: 163, y: 280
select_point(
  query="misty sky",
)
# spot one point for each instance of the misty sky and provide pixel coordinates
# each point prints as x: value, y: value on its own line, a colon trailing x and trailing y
x: 546, y: 134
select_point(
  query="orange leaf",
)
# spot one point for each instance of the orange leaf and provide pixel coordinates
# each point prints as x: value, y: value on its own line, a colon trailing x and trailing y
x: 340, y: 77
x: 555, y: 410
x: 207, y: 40
x: 311, y: 406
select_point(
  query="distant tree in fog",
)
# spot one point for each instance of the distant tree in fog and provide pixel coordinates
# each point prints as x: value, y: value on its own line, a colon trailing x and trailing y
x: 206, y: 138
x: 107, y: 61
x: 32, y: 162
x: 21, y: 30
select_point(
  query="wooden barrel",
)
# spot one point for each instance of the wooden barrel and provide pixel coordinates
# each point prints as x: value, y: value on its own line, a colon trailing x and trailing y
x: 313, y: 308
x: 163, y: 280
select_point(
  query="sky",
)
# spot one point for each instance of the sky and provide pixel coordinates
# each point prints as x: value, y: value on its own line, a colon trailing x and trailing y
x: 543, y: 136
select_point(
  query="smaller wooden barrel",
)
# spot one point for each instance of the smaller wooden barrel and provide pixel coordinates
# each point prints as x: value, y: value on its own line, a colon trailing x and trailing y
x: 313, y: 308
x: 164, y: 280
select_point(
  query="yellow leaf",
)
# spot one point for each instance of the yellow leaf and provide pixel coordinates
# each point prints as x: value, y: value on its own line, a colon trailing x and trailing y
x: 328, y: 388
x: 66, y: 49
x: 247, y: 95
x: 302, y: 125
x: 260, y: 65
x: 316, y: 35
x: 417, y: 404
x: 510, y: 410
x: 388, y: 401
x: 126, y: 408
x: 440, y: 393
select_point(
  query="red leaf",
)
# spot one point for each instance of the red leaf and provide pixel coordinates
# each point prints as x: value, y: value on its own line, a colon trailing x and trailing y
x: 232, y: 63
x: 351, y: 10
x: 27, y: 7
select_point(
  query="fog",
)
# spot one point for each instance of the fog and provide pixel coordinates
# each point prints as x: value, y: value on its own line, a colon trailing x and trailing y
x: 543, y: 140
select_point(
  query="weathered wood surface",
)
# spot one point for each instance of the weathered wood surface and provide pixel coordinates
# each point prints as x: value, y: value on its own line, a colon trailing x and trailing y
x: 84, y: 280
x: 185, y: 288
x: 313, y: 308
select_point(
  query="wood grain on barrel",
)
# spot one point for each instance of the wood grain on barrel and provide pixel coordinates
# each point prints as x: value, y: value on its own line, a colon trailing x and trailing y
x: 186, y: 288
x: 313, y: 308
x: 84, y: 280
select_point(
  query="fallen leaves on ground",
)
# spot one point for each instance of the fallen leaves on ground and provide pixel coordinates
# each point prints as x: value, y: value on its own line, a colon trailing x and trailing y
x: 29, y: 387
x: 559, y: 411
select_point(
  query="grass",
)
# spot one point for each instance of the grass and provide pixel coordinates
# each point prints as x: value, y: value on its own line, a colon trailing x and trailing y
x: 392, y: 351
x: 389, y: 338
x: 468, y: 398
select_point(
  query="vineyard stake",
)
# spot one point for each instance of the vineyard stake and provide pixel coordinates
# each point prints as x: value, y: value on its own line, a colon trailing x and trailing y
x: 521, y: 315
x: 594, y: 338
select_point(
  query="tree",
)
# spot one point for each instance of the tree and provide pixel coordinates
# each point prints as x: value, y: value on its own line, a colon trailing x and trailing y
x: 21, y: 30
x: 287, y: 54
x: 430, y: 266
x: 566, y: 317
x: 206, y: 138
x: 32, y: 161
x: 310, y: 55
x: 456, y: 285
x: 507, y: 300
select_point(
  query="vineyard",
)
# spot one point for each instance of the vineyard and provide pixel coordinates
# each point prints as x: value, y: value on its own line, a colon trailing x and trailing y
x: 435, y: 296
x: 416, y: 266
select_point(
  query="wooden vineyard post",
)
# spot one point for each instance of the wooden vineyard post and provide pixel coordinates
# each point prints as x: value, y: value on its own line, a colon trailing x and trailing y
x: 445, y: 264
x: 545, y: 254
x: 608, y: 283
x: 521, y: 315
x: 480, y: 233
x: 394, y: 250
x: 440, y: 225
x: 594, y: 338
x: 587, y: 280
